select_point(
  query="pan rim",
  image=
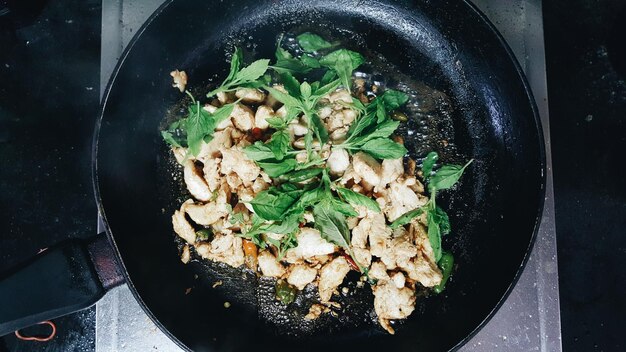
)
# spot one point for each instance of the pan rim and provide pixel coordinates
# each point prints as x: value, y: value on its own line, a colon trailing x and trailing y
x: 542, y: 169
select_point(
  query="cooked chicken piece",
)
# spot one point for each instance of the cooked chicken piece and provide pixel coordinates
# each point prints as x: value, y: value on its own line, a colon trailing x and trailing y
x: 308, y: 217
x: 402, y: 199
x: 242, y: 117
x: 297, y: 128
x: 223, y: 226
x: 301, y: 157
x: 391, y: 170
x: 185, y: 256
x: 420, y: 269
x: 420, y: 235
x: 398, y: 250
x: 180, y: 80
x: 261, y: 115
x: 259, y: 185
x: 362, y: 256
x: 207, y: 214
x: 331, y: 276
x: 182, y: 227
x: 221, y: 139
x: 325, y: 111
x: 378, y: 271
x: 398, y: 279
x: 234, y: 181
x: 195, y: 182
x: 250, y: 95
x: 211, y: 171
x: 271, y: 101
x: 352, y: 221
x: 341, y: 95
x: 373, y: 225
x: 224, y: 248
x: 367, y: 168
x: 338, y: 161
x: 339, y: 135
x: 269, y: 265
x: 210, y: 108
x: 301, y: 275
x: 391, y: 302
x: 225, y: 97
x: 234, y: 160
x: 282, y: 112
x: 310, y: 244
x: 340, y: 119
x: 315, y: 311
x: 415, y: 184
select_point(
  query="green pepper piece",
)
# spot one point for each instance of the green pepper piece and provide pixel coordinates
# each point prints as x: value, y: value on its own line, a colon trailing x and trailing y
x: 285, y: 292
x: 446, y: 263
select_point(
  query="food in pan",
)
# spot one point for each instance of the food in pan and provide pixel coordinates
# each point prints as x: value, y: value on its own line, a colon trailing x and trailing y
x: 294, y: 171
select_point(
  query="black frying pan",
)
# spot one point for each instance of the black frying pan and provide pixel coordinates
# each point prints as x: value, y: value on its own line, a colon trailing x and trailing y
x: 495, y: 211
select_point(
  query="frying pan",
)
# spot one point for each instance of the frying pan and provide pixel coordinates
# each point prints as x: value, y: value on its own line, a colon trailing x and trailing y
x: 495, y: 210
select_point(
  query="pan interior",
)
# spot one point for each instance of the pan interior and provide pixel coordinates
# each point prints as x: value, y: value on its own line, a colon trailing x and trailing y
x: 446, y: 46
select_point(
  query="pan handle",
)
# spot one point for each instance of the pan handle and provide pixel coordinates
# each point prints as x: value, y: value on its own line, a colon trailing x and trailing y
x: 59, y: 281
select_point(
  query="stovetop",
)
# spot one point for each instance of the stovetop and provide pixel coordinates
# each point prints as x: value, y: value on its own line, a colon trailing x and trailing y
x: 528, y: 320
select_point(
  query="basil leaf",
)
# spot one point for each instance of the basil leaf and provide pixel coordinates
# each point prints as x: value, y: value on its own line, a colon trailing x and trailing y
x: 275, y: 169
x: 310, y: 42
x: 443, y: 220
x: 434, y: 235
x: 291, y: 84
x: 428, y: 164
x: 343, y: 208
x: 282, y: 97
x: 326, y: 89
x: 406, y: 218
x: 355, y: 198
x: 258, y: 151
x: 222, y: 114
x: 309, y: 62
x: 275, y: 122
x: 305, y: 90
x: 394, y: 99
x: 169, y: 138
x: 303, y: 175
x: 199, y: 125
x: 361, y: 124
x: 381, y: 112
x: 320, y: 129
x: 253, y: 71
x: 235, y: 65
x: 310, y: 198
x: 343, y: 62
x: 279, y: 144
x: 446, y: 263
x: 447, y: 176
x: 328, y: 77
x: 383, y: 130
x: 289, y: 224
x: 270, y: 206
x: 384, y: 148
x: 331, y: 224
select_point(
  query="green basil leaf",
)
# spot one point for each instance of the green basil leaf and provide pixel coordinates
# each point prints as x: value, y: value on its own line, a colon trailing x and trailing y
x: 394, y: 99
x: 275, y: 169
x: 291, y: 84
x: 168, y: 137
x: 361, y: 124
x: 253, y: 71
x: 428, y: 164
x: 305, y: 90
x: 258, y: 151
x: 319, y: 127
x: 384, y: 129
x: 331, y: 224
x: 381, y: 112
x: 343, y: 62
x: 355, y: 198
x: 235, y: 65
x: 309, y: 62
x: 310, y: 198
x: 326, y: 88
x: 222, y: 114
x: 310, y: 42
x: 384, y: 148
x: 447, y: 176
x: 282, y: 97
x: 303, y: 175
x: 443, y: 220
x: 288, y: 225
x: 446, y: 263
x: 199, y: 125
x: 434, y: 235
x: 270, y: 206
x: 279, y: 144
x: 343, y: 208
x: 275, y: 122
x: 328, y: 77
x: 406, y: 218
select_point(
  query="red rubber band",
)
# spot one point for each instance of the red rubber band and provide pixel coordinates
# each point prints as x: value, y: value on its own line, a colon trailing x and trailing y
x: 39, y: 339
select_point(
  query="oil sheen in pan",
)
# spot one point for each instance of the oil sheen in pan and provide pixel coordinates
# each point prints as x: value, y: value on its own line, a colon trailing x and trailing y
x: 429, y: 127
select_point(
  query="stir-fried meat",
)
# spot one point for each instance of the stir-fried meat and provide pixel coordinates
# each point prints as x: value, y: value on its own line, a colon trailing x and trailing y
x: 331, y: 276
x: 269, y: 265
x: 301, y: 275
x: 391, y: 302
x: 195, y: 182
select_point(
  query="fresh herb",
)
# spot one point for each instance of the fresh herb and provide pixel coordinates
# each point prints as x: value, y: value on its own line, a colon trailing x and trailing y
x: 384, y: 148
x: 311, y: 43
x: 355, y: 199
x: 447, y: 176
x: 200, y: 125
x: 428, y: 164
x: 272, y: 204
x: 406, y: 218
x: 332, y: 226
x: 277, y: 168
x: 303, y: 175
x: 204, y: 235
x: 249, y: 77
x: 446, y: 263
x: 343, y: 62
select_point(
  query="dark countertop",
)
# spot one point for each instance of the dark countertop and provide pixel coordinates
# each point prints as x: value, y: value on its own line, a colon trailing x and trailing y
x: 49, y: 79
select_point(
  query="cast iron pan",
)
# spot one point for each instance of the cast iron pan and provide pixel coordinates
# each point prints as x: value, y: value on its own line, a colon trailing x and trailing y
x: 495, y: 211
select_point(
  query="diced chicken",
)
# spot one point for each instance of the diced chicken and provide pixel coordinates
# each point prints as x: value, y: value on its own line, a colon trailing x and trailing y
x: 185, y: 255
x: 261, y: 115
x: 225, y: 97
x: 296, y: 128
x: 401, y: 200
x: 271, y: 101
x: 180, y: 79
x: 362, y: 256
x: 301, y: 157
x: 209, y: 108
x: 391, y: 170
x: 325, y: 111
x: 207, y: 214
x: 378, y: 271
x: 310, y: 244
x: 221, y: 139
x: 211, y: 171
x: 367, y: 168
x: 195, y: 182
x: 259, y: 185
x: 421, y: 270
x: 391, y: 302
x: 331, y: 276
x: 301, y: 275
x: 282, y: 112
x: 340, y: 96
x: 398, y: 250
x: 234, y: 160
x: 182, y: 227
x: 224, y: 248
x: 242, y: 117
x: 339, y: 135
x: 420, y: 234
x: 373, y: 225
x: 250, y: 95
x: 338, y: 161
x: 223, y: 226
x: 269, y: 265
x: 398, y: 279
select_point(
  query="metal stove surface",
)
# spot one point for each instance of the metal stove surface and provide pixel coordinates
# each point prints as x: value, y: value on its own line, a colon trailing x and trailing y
x: 529, y: 319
